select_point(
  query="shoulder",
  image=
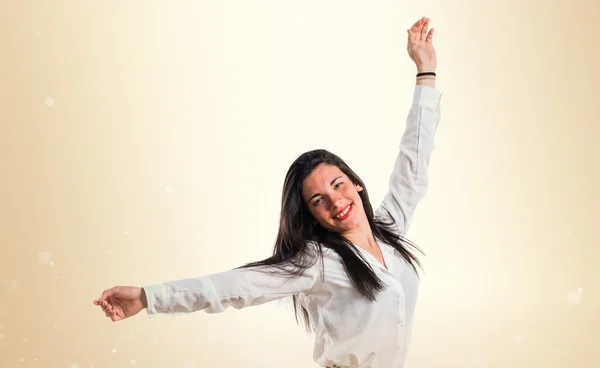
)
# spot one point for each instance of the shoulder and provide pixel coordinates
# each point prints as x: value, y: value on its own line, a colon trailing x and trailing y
x: 381, y: 213
x: 322, y: 255
x: 384, y: 217
x: 315, y: 247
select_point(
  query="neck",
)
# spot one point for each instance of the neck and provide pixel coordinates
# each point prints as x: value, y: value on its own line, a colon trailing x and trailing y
x: 362, y: 236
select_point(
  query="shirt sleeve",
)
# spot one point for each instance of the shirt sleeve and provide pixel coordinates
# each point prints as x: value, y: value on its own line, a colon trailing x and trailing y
x: 237, y: 288
x: 409, y: 180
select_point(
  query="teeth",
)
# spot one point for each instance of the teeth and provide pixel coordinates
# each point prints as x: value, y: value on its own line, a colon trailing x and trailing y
x: 343, y: 213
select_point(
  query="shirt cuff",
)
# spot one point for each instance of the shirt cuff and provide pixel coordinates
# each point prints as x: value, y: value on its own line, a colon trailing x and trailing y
x: 155, y: 296
x: 427, y: 97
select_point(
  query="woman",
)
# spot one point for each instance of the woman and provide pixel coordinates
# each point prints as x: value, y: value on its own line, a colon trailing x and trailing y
x: 347, y: 268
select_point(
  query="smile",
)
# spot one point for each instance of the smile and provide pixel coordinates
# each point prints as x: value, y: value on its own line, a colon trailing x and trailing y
x: 344, y: 214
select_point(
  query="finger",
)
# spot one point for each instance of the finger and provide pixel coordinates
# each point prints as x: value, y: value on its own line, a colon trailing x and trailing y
x: 109, y: 311
x: 414, y: 31
x: 104, y: 296
x: 424, y: 29
x: 108, y: 293
x: 416, y: 25
x: 430, y: 36
x: 107, y: 308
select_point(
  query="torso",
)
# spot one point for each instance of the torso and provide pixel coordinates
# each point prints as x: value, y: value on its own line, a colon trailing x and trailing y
x: 380, y: 330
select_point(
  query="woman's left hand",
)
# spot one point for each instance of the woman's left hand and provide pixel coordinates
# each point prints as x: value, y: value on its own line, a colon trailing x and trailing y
x: 420, y: 47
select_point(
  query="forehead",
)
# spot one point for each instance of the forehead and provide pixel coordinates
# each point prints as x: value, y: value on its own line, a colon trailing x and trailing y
x: 320, y: 178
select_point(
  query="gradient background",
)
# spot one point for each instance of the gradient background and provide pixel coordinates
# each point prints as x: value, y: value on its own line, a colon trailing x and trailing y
x: 146, y: 141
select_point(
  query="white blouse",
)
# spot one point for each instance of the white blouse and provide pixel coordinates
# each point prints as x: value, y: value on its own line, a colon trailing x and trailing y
x: 351, y: 331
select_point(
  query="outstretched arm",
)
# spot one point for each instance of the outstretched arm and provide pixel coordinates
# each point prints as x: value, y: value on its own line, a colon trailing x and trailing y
x: 213, y: 293
x: 237, y: 288
x: 409, y: 180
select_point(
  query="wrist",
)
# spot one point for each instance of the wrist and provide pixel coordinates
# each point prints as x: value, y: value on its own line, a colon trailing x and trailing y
x: 425, y: 69
x: 426, y: 78
x: 144, y: 299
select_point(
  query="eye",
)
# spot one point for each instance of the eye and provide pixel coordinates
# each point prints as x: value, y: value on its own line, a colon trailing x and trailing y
x: 338, y: 184
x: 317, y: 202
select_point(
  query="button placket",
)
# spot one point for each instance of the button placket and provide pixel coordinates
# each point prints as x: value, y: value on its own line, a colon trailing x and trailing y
x: 401, y: 318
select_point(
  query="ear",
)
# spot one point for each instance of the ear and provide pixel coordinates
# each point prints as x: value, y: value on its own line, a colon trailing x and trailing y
x: 358, y: 188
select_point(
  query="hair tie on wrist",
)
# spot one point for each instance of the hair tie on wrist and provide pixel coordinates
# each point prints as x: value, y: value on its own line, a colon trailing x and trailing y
x: 426, y: 73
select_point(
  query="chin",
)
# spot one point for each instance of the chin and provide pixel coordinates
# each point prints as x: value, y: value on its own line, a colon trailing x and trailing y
x: 350, y: 225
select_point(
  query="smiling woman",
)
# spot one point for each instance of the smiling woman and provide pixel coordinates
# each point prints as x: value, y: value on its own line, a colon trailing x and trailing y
x: 332, y: 202
x: 347, y: 266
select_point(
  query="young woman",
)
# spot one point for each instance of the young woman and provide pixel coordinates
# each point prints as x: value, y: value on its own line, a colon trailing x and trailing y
x: 346, y: 266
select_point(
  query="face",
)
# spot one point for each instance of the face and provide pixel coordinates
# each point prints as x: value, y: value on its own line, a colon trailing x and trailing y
x: 333, y: 199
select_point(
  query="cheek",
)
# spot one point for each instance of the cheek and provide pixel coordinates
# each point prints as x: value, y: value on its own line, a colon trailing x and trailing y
x: 356, y: 198
x: 316, y: 212
x: 322, y: 214
x: 352, y: 193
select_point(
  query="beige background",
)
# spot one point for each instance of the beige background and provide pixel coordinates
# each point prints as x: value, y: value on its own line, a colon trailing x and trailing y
x: 143, y: 142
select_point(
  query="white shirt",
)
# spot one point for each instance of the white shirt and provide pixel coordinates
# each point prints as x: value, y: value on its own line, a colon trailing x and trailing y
x: 351, y: 331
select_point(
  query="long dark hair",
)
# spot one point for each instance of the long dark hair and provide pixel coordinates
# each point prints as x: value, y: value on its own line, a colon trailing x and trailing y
x: 297, y: 227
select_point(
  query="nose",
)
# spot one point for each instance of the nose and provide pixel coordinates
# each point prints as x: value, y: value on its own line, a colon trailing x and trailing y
x: 335, y: 200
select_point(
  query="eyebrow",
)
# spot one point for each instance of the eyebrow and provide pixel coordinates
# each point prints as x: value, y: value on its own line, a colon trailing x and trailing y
x: 318, y: 194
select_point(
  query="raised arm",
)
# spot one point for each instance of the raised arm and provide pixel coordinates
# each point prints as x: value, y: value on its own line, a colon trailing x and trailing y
x: 409, y: 180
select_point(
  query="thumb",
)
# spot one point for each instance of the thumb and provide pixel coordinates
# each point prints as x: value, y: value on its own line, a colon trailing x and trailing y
x: 108, y: 293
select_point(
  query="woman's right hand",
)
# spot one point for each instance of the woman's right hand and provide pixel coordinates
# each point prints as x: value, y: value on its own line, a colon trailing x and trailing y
x: 122, y: 302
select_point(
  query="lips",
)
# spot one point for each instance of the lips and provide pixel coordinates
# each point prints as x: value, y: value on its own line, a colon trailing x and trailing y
x: 346, y: 210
